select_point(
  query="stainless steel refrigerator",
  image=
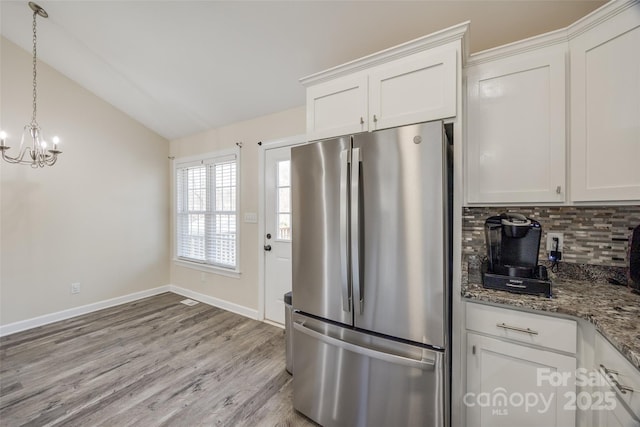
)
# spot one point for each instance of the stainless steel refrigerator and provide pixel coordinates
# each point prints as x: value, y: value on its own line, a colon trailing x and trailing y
x: 371, y: 266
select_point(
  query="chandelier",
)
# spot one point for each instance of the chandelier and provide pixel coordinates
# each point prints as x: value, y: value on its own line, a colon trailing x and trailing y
x: 34, y: 153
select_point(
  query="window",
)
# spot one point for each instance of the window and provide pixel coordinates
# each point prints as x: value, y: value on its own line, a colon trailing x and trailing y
x: 206, y: 211
x: 284, y: 200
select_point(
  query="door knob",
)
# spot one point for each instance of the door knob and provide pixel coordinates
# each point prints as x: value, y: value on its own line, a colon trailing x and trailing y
x: 267, y: 248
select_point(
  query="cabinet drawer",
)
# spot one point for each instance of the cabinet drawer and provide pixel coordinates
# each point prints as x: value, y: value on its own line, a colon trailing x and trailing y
x: 620, y: 370
x: 535, y: 329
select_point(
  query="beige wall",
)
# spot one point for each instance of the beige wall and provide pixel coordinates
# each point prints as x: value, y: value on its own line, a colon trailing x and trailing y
x: 243, y: 291
x: 99, y: 217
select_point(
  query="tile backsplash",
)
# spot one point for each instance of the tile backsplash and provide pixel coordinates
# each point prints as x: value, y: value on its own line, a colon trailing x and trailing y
x: 592, y: 235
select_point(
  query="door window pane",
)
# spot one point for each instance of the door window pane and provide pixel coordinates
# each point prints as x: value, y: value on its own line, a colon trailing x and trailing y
x: 284, y: 226
x: 283, y: 205
x: 283, y: 173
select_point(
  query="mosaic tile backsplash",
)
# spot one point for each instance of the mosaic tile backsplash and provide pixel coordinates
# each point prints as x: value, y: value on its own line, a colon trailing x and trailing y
x: 592, y: 235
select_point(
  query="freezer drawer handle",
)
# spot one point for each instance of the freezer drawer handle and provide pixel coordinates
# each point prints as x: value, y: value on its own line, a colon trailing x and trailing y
x: 515, y: 328
x: 424, y: 364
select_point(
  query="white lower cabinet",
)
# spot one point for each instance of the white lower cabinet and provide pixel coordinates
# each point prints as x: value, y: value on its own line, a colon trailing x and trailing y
x: 613, y: 412
x: 618, y: 389
x: 618, y: 417
x: 513, y: 382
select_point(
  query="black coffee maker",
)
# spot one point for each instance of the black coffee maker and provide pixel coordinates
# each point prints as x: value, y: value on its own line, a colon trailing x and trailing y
x: 513, y: 243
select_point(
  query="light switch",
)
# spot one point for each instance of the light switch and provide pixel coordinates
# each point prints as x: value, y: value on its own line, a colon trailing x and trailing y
x: 250, y: 217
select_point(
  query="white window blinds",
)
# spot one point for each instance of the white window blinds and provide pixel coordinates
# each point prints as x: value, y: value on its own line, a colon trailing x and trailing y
x: 206, y: 214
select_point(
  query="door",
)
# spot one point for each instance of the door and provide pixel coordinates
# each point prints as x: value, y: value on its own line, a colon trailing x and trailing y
x: 614, y: 412
x: 399, y: 288
x: 515, y: 385
x: 337, y: 107
x: 277, y: 241
x: 414, y: 89
x: 605, y: 107
x: 513, y: 105
x: 319, y: 178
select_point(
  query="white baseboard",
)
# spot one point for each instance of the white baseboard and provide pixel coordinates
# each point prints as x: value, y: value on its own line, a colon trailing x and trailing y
x: 34, y: 322
x: 216, y: 302
x: 23, y: 325
x: 272, y: 323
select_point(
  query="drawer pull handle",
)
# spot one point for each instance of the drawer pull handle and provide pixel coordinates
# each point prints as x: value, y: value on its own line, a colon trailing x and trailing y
x: 610, y: 373
x: 515, y: 328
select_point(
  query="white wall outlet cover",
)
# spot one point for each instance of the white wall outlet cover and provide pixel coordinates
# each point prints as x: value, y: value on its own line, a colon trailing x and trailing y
x: 551, y: 243
x: 250, y: 217
x: 75, y: 288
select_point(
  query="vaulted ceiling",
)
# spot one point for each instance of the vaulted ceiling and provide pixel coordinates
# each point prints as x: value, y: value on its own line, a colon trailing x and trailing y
x: 181, y: 67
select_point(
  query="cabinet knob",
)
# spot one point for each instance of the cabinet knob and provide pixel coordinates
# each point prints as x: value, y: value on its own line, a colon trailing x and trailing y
x: 559, y: 189
x: 361, y: 120
x: 375, y: 119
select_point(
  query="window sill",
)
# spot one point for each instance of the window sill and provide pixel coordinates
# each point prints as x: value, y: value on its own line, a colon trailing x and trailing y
x: 208, y: 268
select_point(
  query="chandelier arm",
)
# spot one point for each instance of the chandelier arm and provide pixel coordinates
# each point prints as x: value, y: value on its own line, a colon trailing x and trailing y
x: 52, y: 160
x: 19, y: 158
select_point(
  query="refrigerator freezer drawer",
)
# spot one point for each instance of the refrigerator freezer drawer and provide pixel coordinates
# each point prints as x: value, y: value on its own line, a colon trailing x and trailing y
x: 347, y: 378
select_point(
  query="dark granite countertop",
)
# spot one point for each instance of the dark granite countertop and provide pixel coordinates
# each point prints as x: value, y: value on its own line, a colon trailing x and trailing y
x: 614, y: 310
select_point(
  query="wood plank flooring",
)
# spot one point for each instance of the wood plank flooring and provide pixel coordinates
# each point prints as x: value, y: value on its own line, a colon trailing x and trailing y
x: 152, y: 362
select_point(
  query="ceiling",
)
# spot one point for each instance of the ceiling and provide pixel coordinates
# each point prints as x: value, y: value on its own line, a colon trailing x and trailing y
x: 182, y: 67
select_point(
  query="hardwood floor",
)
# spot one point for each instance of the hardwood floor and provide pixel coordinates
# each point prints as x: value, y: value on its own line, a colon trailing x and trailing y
x: 152, y: 362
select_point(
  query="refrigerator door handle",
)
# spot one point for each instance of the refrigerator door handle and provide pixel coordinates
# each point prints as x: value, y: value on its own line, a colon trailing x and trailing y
x: 358, y: 291
x: 424, y: 364
x: 344, y: 229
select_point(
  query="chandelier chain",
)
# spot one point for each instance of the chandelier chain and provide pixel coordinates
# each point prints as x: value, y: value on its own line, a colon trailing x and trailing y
x: 35, y: 71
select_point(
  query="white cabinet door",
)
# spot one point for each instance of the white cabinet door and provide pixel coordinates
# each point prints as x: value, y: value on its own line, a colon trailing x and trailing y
x: 418, y: 88
x: 617, y: 417
x: 605, y: 110
x: 515, y: 385
x: 337, y: 107
x: 516, y: 128
x: 614, y: 413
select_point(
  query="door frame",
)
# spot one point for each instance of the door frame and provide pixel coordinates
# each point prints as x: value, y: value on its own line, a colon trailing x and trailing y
x: 276, y: 143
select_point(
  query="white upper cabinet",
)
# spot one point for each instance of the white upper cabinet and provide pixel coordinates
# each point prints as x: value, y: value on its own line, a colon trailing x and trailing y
x: 605, y: 108
x: 337, y: 107
x: 414, y: 82
x: 515, y: 119
x: 556, y: 118
x: 416, y: 89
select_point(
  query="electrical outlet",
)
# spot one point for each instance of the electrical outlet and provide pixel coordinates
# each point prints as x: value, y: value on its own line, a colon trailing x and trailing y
x: 551, y: 245
x: 75, y: 288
